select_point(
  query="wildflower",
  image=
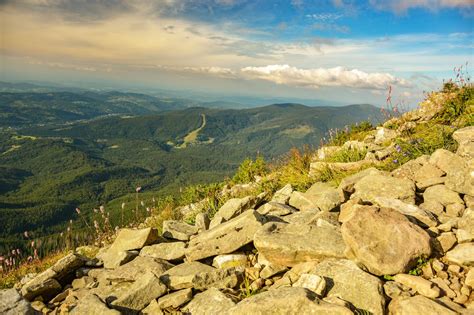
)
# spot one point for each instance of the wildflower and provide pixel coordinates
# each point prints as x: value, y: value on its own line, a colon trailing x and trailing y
x: 398, y: 148
x: 69, y: 229
x: 30, y: 259
x: 123, y: 205
x: 116, y: 228
x: 2, y: 258
x: 18, y: 251
x: 13, y: 252
x: 96, y: 225
x: 95, y: 210
x: 142, y: 203
x: 395, y: 161
x: 78, y: 211
x: 138, y: 189
x: 32, y: 243
x: 147, y: 209
x: 70, y: 222
x: 25, y: 234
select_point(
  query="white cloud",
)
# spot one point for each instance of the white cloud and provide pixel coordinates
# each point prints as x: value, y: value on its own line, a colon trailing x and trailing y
x: 325, y: 16
x: 314, y: 78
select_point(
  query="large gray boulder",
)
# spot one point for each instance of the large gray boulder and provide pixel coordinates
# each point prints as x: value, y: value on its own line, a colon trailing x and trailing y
x: 352, y: 284
x: 226, y: 237
x: 290, y: 244
x: 384, y: 240
x: 11, y: 303
x: 211, y: 301
x: 286, y: 300
x: 372, y: 186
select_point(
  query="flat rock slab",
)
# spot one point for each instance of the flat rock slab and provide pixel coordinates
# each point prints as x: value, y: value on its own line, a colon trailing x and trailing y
x: 175, y: 299
x: 130, y: 239
x: 459, y: 171
x: 145, y: 289
x: 319, y: 197
x: 199, y: 276
x: 419, y: 216
x: 11, y: 303
x: 92, y: 304
x: 44, y: 285
x: 462, y: 254
x: 134, y: 269
x: 225, y: 238
x: 352, y: 284
x: 286, y: 300
x: 178, y: 230
x: 166, y: 251
x: 276, y: 209
x: 372, y: 186
x: 290, y: 244
x: 441, y: 194
x: 211, y: 301
x: 384, y: 240
x: 232, y: 208
x: 417, y: 304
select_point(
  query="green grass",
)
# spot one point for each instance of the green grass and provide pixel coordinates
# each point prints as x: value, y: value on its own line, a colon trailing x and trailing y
x: 347, y: 155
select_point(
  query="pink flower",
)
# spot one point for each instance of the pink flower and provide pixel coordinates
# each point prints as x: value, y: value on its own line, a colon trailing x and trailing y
x: 2, y: 258
x: 30, y: 258
x: 32, y: 243
x: 138, y: 189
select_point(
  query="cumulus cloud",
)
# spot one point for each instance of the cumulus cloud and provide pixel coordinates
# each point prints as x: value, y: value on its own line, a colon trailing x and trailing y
x: 315, y: 78
x: 402, y: 6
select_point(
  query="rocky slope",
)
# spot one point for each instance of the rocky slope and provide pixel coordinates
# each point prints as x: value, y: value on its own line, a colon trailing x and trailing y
x: 381, y: 242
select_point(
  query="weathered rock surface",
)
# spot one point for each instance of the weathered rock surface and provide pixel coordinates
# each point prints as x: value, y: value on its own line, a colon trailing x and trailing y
x: 130, y: 239
x: 320, y: 196
x: 283, y: 195
x: 178, y: 230
x: 91, y: 304
x: 44, y: 285
x: 412, y: 212
x: 286, y: 300
x: 465, y: 139
x: 290, y: 244
x: 211, y: 301
x: 134, y: 269
x: 175, y: 299
x: 230, y: 261
x: 372, y: 186
x: 441, y: 194
x: 384, y: 240
x: 352, y: 284
x: 166, y: 251
x: 312, y: 282
x: 275, y: 209
x: 232, y: 208
x: 462, y: 254
x: 417, y: 304
x: 145, y: 289
x: 225, y: 238
x: 418, y: 284
x: 11, y: 303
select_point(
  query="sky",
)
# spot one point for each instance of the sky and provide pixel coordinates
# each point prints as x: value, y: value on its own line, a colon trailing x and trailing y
x: 336, y: 50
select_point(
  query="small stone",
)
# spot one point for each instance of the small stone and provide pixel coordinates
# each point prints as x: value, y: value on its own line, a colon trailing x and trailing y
x: 394, y: 289
x: 202, y: 221
x: 465, y: 290
x: 455, y: 209
x: 252, y: 273
x: 461, y: 299
x: 12, y: 303
x: 420, y: 285
x: 437, y: 265
x: 446, y: 241
x: 211, y: 301
x: 312, y: 282
x: 230, y: 261
x: 417, y: 304
x: 175, y: 299
x: 271, y: 269
x: 152, y: 309
x: 257, y: 284
x: 470, y: 278
x: 464, y: 236
x: 454, y: 269
x: 268, y: 282
x: 167, y: 251
x: 283, y: 195
x: 443, y: 285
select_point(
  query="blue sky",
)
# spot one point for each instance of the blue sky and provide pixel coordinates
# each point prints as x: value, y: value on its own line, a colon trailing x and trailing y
x: 339, y: 50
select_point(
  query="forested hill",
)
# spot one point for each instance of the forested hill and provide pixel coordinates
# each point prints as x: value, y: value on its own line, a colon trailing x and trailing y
x: 50, y: 164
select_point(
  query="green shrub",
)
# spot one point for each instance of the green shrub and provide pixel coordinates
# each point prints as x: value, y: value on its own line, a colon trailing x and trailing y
x: 294, y: 168
x: 249, y: 169
x: 347, y: 155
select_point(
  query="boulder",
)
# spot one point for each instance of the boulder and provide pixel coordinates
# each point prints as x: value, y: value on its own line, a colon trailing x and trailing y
x: 384, y: 135
x: 290, y: 244
x: 230, y: 261
x: 418, y: 284
x: 130, y: 239
x: 199, y: 276
x: 417, y: 304
x: 211, y: 301
x: 428, y: 172
x: 44, y: 285
x: 372, y: 186
x: 11, y: 303
x: 145, y: 289
x: 465, y: 139
x: 134, y: 269
x: 320, y: 196
x: 347, y: 184
x: 467, y: 221
x: 271, y: 269
x: 67, y: 266
x: 311, y: 282
x: 441, y: 194
x: 232, y: 208
x: 175, y: 299
x: 113, y: 259
x: 286, y: 300
x: 92, y: 305
x: 275, y: 209
x: 446, y: 241
x: 419, y: 216
x: 166, y: 251
x: 301, y: 217
x: 283, y: 195
x: 384, y: 240
x: 460, y: 175
x: 410, y: 168
x: 352, y: 284
x: 462, y: 254
x: 153, y: 309
x: 225, y: 238
x: 178, y: 230
x: 202, y: 221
